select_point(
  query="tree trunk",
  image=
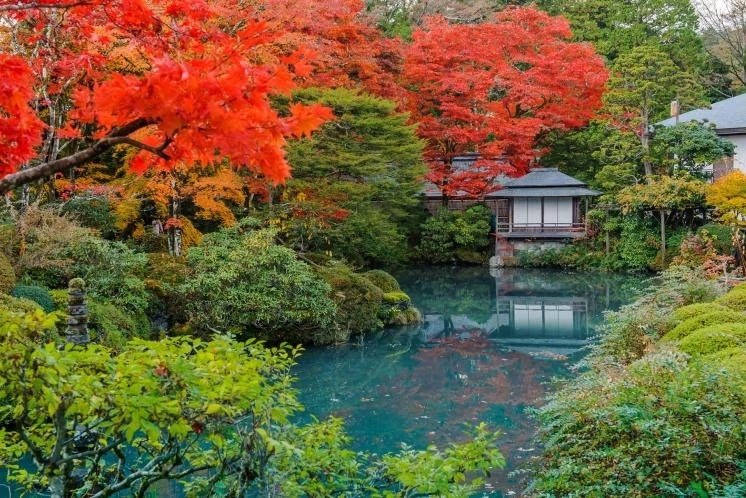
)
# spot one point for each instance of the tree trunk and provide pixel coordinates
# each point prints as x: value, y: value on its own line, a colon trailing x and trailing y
x: 663, y: 237
x: 174, y: 232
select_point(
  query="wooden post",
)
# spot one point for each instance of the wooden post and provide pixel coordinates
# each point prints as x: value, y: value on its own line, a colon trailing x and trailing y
x: 77, y: 313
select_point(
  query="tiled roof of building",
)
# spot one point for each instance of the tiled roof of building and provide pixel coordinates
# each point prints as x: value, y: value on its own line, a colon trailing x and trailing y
x: 728, y: 116
x: 543, y: 192
x: 539, y: 182
x: 543, y: 177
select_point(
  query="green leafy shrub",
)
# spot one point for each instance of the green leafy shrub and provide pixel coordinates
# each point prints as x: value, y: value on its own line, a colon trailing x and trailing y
x: 35, y: 293
x: 7, y: 275
x: 165, y: 274
x: 107, y: 324
x: 113, y: 327
x: 697, y: 322
x: 714, y: 338
x: 357, y: 299
x: 177, y: 401
x: 382, y: 280
x: 450, y: 234
x: 720, y: 235
x: 638, y: 243
x: 735, y: 299
x: 696, y: 309
x: 368, y: 237
x: 661, y: 427
x: 112, y: 271
x: 92, y: 211
x: 244, y: 283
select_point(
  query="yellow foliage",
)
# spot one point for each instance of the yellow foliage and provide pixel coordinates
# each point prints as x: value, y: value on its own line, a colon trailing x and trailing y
x: 190, y: 236
x: 127, y: 213
x: 211, y: 193
x: 728, y: 195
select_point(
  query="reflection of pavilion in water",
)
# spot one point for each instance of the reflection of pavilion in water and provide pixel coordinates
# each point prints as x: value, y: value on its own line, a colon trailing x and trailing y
x: 538, y: 316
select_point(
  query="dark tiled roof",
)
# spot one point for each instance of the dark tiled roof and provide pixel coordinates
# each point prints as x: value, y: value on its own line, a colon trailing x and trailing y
x: 544, y: 177
x: 543, y: 192
x: 728, y: 114
x: 539, y: 182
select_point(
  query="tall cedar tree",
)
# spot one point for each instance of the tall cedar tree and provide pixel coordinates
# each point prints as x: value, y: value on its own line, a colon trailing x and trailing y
x: 494, y: 88
x: 185, y: 82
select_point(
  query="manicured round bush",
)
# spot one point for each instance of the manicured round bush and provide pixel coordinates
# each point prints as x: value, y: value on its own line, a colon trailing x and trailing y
x: 39, y: 295
x: 382, y: 280
x: 732, y: 359
x: 735, y: 299
x: 7, y: 275
x: 17, y: 304
x: 358, y: 300
x: 696, y: 309
x: 696, y: 322
x: 714, y: 338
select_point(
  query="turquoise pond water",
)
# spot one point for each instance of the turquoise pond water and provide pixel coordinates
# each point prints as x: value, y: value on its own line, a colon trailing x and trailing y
x: 489, y: 348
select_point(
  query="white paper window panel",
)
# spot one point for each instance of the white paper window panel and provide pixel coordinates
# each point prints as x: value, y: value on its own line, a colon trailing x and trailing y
x: 551, y: 319
x: 558, y: 210
x: 527, y: 211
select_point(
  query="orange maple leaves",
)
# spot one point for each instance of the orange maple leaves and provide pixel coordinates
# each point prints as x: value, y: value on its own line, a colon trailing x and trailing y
x: 20, y: 129
x: 199, y: 88
x: 190, y: 81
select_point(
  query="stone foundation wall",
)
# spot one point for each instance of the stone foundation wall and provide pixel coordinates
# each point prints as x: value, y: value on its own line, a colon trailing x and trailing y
x: 507, y: 251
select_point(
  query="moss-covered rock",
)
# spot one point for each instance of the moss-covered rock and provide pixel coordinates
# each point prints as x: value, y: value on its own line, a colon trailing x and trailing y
x: 7, y: 275
x: 39, y: 295
x: 383, y: 280
x: 398, y: 298
x: 696, y: 322
x: 714, y: 338
x: 696, y: 309
x: 396, y: 310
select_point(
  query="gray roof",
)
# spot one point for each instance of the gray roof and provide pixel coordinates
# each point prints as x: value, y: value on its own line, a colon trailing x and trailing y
x: 543, y: 177
x: 539, y: 182
x: 729, y: 116
x: 543, y: 192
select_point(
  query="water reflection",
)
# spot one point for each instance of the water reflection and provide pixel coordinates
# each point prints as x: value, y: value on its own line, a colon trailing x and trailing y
x: 489, y: 348
x: 523, y: 309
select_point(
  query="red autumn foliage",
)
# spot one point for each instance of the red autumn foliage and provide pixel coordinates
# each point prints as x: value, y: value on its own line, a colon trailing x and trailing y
x: 350, y: 51
x: 494, y: 88
x: 182, y: 80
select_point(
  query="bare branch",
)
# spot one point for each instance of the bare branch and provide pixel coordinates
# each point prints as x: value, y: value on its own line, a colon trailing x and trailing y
x: 116, y: 136
x: 36, y: 5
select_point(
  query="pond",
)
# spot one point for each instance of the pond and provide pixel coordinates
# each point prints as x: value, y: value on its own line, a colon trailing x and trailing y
x: 491, y: 345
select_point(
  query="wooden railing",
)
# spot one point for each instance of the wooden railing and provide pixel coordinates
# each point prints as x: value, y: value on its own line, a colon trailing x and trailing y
x: 539, y: 227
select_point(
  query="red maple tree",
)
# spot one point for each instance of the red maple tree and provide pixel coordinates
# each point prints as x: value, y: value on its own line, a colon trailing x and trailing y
x: 184, y: 81
x: 350, y: 51
x: 493, y: 88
